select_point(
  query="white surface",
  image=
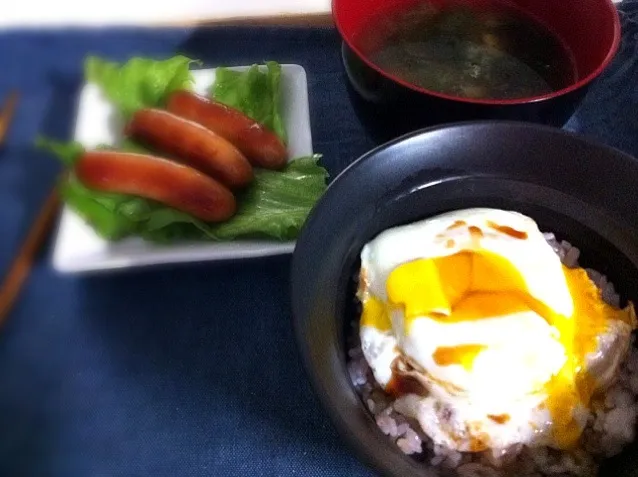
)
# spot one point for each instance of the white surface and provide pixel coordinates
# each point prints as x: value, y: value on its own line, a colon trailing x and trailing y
x: 33, y: 13
x: 79, y: 249
x: 47, y: 13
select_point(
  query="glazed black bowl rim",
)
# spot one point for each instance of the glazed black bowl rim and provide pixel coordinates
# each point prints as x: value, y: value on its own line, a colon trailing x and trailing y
x: 379, y: 461
x: 582, y: 82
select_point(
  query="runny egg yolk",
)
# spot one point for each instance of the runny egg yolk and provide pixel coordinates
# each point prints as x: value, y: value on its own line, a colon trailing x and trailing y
x: 462, y: 355
x: 375, y: 314
x: 475, y: 285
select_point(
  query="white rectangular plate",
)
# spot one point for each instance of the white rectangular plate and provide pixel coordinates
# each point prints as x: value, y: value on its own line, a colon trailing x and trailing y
x: 79, y: 249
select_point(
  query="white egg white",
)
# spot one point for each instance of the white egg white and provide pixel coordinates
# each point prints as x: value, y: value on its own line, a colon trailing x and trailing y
x: 522, y: 351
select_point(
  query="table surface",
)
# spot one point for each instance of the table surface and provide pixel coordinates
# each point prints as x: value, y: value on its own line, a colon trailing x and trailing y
x: 189, y: 370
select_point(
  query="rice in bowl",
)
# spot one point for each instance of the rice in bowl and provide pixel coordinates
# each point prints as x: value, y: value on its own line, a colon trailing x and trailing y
x: 610, y: 423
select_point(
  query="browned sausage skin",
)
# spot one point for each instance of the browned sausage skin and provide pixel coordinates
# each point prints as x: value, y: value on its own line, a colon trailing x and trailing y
x: 192, y: 144
x: 260, y: 145
x: 168, y: 182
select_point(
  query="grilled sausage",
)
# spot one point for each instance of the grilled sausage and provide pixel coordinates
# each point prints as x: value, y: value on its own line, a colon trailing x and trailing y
x: 192, y: 144
x: 168, y: 182
x: 260, y: 145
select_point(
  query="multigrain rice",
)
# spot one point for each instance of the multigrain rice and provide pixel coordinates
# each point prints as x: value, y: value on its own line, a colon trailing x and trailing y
x: 609, y: 428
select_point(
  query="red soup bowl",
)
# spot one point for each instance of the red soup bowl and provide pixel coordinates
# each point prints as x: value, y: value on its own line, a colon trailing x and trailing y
x: 588, y: 29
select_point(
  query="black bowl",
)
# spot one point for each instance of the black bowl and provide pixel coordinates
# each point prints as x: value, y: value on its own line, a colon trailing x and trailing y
x: 581, y: 191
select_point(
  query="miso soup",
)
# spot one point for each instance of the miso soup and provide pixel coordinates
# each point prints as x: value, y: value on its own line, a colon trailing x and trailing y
x: 491, y: 52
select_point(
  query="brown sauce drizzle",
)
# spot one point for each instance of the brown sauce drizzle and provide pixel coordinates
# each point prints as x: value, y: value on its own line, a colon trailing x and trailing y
x: 363, y: 280
x: 475, y: 232
x: 508, y: 230
x: 457, y: 224
x: 401, y: 385
x: 478, y: 443
x: 499, y: 418
x: 405, y: 379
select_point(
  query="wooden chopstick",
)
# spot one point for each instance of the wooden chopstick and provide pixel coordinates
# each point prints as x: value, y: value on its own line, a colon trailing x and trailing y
x: 8, y: 110
x: 22, y: 263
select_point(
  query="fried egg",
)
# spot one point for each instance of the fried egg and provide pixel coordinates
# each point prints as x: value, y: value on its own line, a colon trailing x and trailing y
x: 471, y: 320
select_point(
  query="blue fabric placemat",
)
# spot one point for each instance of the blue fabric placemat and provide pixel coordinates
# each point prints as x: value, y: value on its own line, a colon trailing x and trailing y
x: 192, y: 370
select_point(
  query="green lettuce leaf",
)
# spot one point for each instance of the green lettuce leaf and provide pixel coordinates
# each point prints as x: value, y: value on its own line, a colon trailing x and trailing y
x: 98, y: 209
x: 67, y: 152
x: 140, y: 82
x: 257, y: 94
x: 275, y: 205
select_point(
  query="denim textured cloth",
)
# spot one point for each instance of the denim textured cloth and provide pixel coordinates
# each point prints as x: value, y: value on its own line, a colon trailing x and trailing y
x: 192, y: 370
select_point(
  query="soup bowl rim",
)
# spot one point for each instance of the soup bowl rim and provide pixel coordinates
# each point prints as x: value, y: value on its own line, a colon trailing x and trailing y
x: 574, y: 86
